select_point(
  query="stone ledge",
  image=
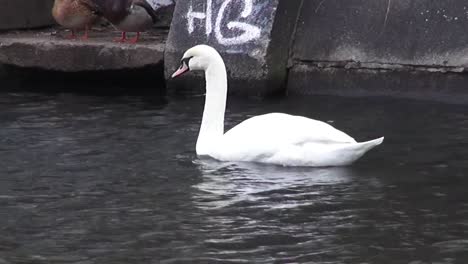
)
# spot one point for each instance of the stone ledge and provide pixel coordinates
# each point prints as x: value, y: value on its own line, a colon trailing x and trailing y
x: 50, y: 50
x: 415, y: 83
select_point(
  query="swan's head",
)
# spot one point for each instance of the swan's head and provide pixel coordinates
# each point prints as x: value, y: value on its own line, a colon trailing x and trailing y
x: 198, y: 58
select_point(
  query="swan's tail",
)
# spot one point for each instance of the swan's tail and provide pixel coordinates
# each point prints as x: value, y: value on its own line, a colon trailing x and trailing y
x: 350, y: 153
x: 363, y: 147
x: 368, y: 145
x: 340, y: 154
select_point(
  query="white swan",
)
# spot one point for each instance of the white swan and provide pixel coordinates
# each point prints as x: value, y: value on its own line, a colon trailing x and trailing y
x: 272, y: 138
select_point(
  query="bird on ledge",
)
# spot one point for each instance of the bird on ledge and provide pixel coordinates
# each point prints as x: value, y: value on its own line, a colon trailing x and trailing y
x: 129, y: 16
x: 76, y: 15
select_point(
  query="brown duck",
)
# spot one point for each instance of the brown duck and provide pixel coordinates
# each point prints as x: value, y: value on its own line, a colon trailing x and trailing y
x: 76, y: 14
x: 129, y: 16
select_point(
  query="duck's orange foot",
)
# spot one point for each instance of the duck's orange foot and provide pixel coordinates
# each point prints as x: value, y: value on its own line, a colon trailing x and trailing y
x: 85, y: 37
x: 71, y: 36
x: 122, y: 39
x: 135, y: 39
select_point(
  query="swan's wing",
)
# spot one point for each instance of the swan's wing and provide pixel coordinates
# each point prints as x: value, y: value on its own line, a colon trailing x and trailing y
x: 287, y: 129
x: 261, y: 136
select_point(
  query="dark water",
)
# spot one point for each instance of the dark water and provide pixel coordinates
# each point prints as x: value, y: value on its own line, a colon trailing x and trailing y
x: 115, y: 180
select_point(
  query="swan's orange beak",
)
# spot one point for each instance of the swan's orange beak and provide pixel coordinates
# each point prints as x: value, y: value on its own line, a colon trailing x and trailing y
x: 183, y: 69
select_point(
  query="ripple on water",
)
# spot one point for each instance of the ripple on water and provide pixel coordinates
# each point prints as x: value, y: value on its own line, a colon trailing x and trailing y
x: 452, y: 246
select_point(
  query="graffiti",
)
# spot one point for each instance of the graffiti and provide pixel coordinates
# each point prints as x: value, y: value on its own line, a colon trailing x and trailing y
x: 246, y: 32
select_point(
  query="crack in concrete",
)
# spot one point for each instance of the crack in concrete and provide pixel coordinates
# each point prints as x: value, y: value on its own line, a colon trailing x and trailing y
x: 378, y: 66
x: 319, y: 5
x: 386, y: 16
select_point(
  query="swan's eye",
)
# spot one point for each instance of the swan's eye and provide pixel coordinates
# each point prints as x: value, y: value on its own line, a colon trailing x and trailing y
x: 185, y: 62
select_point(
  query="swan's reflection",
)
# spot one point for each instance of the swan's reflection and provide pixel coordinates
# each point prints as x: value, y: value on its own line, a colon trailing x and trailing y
x: 227, y: 183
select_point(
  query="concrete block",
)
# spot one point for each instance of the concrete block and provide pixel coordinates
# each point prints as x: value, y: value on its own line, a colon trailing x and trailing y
x: 16, y: 14
x: 406, y: 48
x: 407, y: 32
x: 253, y: 36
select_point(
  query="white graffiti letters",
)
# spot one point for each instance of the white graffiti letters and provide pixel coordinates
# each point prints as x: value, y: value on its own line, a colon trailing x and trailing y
x: 247, y: 31
x: 191, y: 16
x: 250, y: 32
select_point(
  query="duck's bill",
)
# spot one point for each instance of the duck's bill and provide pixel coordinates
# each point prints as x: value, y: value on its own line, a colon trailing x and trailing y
x: 183, y: 69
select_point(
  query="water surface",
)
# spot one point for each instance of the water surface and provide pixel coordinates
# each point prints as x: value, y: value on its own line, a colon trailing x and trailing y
x: 94, y: 179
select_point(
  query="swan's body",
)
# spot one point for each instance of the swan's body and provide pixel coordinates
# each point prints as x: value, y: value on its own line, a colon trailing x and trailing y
x: 272, y: 138
x: 287, y: 140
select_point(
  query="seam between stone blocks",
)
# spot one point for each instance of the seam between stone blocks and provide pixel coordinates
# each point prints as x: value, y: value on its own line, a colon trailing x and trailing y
x: 378, y: 66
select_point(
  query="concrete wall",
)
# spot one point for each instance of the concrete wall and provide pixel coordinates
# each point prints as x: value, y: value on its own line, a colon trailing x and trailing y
x: 355, y: 47
x: 413, y: 32
x: 17, y: 14
x: 410, y: 48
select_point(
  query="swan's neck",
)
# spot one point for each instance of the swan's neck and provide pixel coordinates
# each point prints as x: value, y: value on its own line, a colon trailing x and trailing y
x: 212, y: 127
